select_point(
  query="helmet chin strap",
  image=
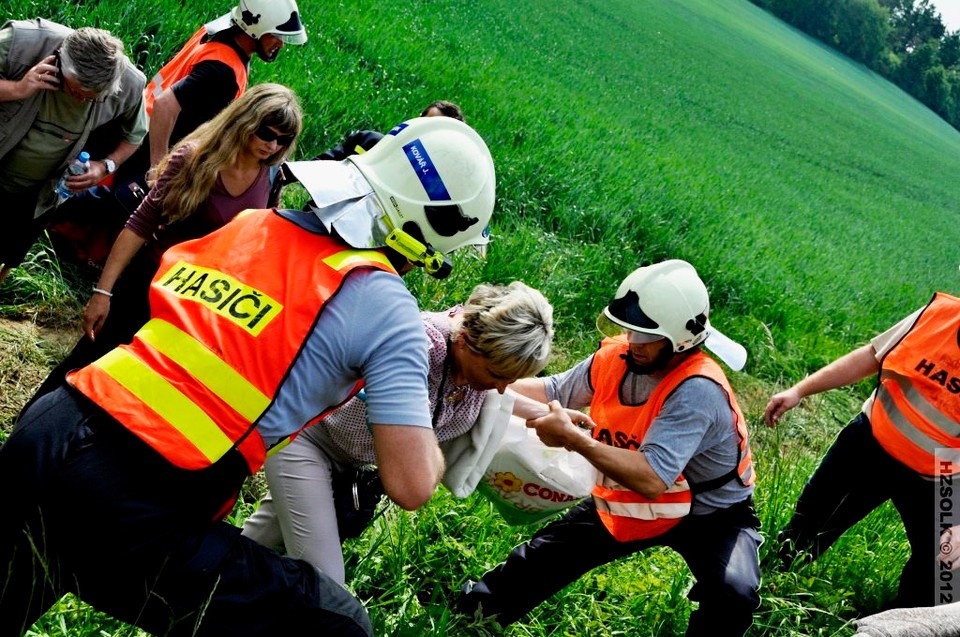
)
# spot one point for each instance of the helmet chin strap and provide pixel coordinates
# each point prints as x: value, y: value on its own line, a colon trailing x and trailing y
x: 420, y: 254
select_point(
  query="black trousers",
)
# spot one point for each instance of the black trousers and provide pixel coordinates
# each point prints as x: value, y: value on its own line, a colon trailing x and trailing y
x: 20, y: 230
x: 721, y: 550
x: 92, y: 510
x: 855, y: 477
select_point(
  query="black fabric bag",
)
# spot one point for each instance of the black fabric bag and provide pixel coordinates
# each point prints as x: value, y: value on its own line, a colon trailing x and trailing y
x: 356, y: 493
x: 131, y: 194
x: 84, y: 227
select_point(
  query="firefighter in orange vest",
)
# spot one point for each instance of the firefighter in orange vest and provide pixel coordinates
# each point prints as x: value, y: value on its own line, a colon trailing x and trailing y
x: 902, y: 446
x: 210, y: 71
x: 257, y: 330
x: 670, y: 446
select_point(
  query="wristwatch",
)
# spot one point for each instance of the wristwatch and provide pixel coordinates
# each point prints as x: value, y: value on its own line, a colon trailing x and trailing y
x: 110, y: 164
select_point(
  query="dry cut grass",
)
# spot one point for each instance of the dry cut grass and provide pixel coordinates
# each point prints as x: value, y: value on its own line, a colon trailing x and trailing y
x: 27, y: 352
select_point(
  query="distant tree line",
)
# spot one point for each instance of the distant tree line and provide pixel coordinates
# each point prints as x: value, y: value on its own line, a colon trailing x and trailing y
x: 903, y: 40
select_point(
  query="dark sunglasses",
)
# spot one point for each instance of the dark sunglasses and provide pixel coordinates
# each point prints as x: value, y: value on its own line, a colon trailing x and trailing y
x: 268, y: 135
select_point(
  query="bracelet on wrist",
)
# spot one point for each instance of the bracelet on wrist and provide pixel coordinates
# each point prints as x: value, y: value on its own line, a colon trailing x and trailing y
x: 106, y: 293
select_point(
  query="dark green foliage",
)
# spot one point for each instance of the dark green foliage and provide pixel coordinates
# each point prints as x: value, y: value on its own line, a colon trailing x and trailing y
x: 904, y: 40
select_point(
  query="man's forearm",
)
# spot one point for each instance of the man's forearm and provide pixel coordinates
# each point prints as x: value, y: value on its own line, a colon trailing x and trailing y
x: 846, y: 370
x: 627, y: 467
x: 410, y: 463
x: 11, y: 91
x: 529, y: 402
x: 166, y: 109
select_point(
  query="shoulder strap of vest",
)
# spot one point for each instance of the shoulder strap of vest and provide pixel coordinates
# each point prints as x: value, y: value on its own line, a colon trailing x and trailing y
x: 734, y: 474
x: 907, y: 332
x: 697, y: 488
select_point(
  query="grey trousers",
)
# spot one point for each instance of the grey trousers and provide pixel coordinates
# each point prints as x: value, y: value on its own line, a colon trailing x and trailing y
x: 298, y: 512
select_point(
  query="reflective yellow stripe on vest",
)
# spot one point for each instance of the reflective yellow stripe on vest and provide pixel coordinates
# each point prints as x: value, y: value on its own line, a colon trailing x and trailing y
x: 643, y: 510
x: 157, y: 85
x: 167, y: 401
x: 652, y: 510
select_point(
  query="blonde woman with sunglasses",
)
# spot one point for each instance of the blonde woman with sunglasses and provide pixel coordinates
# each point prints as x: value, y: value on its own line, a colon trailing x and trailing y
x: 225, y: 166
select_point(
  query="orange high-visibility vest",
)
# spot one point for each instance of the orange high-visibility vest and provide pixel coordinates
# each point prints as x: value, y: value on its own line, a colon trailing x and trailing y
x: 627, y: 514
x: 916, y: 413
x: 192, y: 53
x: 230, y: 313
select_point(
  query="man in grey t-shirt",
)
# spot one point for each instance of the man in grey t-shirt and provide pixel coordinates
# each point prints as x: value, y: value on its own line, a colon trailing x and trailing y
x: 262, y: 342
x: 670, y: 445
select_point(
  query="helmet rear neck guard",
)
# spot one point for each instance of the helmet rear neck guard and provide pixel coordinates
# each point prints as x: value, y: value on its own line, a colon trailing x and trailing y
x: 435, y: 180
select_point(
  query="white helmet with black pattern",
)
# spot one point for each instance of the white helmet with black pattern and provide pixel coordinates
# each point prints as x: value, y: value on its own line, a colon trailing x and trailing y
x: 424, y: 190
x: 257, y: 18
x: 435, y: 179
x: 668, y: 300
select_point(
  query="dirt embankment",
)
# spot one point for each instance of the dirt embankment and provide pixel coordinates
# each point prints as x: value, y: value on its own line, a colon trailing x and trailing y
x: 27, y: 353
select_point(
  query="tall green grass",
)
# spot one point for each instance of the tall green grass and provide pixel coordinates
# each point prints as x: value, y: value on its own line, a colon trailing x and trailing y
x: 819, y: 203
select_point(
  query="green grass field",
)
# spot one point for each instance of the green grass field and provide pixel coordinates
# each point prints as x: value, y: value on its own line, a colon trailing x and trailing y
x: 819, y: 203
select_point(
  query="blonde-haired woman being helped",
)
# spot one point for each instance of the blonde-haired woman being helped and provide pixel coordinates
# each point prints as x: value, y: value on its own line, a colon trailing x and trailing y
x: 500, y: 334
x: 224, y: 167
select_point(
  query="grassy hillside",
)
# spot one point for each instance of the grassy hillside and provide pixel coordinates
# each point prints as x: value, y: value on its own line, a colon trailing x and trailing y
x: 628, y: 131
x: 696, y: 129
x: 818, y: 202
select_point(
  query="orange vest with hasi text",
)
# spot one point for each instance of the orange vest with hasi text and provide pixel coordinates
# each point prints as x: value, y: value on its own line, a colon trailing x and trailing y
x: 916, y: 412
x: 627, y: 514
x: 192, y: 53
x: 230, y: 313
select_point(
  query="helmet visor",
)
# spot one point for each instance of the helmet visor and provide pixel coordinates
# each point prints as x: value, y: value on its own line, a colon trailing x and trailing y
x: 610, y: 326
x: 297, y: 38
x: 291, y: 31
x: 642, y: 338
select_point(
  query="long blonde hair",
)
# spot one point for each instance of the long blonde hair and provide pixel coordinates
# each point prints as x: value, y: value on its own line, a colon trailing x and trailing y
x: 218, y: 142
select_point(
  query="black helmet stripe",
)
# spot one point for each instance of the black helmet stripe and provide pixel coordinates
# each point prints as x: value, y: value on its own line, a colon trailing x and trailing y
x: 293, y: 24
x: 448, y: 220
x: 626, y: 309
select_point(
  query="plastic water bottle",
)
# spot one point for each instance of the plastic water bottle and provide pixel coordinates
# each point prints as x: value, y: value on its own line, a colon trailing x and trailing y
x: 78, y: 166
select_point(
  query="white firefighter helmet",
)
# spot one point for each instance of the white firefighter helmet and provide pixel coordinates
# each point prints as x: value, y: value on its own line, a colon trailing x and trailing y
x: 435, y: 181
x: 669, y: 300
x: 257, y: 18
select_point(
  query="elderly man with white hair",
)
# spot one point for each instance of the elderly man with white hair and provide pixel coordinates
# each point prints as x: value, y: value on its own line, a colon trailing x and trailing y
x: 56, y: 86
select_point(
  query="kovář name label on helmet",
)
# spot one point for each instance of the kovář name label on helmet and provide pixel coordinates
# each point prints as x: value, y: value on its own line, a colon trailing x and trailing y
x: 426, y: 171
x: 245, y: 306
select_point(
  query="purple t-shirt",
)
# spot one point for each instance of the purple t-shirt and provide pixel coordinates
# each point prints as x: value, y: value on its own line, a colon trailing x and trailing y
x: 219, y: 208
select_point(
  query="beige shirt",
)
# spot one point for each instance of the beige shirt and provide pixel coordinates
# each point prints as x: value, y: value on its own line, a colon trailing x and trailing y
x: 44, y: 148
x: 883, y: 343
x: 31, y: 130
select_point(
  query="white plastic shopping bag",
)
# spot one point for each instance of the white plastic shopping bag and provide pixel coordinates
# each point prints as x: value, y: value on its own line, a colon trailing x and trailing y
x: 468, y: 455
x: 528, y: 482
